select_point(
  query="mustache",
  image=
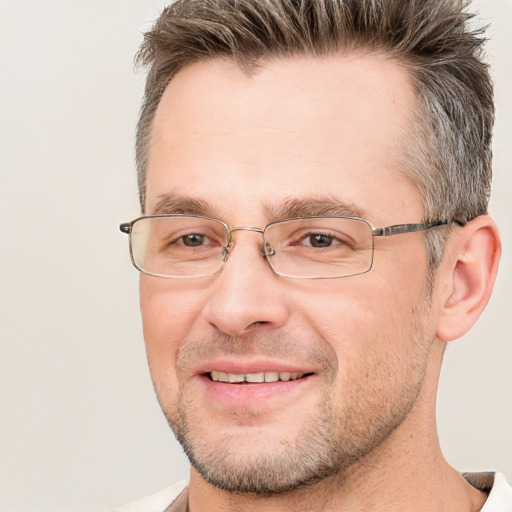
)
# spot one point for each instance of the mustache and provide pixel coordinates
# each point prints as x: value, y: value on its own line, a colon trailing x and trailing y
x: 287, y: 348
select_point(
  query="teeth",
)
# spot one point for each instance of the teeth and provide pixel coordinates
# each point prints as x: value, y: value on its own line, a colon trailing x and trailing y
x: 254, y: 377
x: 271, y: 376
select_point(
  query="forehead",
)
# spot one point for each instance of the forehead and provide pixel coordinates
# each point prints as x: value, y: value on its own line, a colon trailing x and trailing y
x: 289, y: 130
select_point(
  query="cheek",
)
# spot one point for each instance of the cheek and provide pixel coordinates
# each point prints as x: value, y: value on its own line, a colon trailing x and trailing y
x: 381, y: 354
x: 369, y: 323
x: 169, y: 313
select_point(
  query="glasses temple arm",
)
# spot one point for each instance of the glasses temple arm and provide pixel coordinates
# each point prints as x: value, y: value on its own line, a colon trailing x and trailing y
x: 399, y: 229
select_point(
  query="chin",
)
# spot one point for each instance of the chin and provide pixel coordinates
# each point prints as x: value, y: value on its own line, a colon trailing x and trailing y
x: 268, y: 461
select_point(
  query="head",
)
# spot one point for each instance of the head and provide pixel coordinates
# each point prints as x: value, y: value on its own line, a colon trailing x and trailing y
x: 447, y: 150
x: 257, y: 111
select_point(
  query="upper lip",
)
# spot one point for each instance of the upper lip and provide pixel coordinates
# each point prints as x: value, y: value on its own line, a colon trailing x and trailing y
x: 240, y: 367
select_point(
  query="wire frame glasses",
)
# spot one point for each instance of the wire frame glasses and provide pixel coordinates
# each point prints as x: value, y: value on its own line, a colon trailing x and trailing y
x: 189, y: 246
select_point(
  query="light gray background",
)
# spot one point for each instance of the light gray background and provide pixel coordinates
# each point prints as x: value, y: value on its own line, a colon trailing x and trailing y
x: 80, y: 428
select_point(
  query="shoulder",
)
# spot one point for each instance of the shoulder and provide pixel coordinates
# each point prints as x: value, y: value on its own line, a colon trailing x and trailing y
x: 157, y: 502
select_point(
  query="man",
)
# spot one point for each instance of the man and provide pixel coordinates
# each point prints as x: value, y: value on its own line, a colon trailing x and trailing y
x: 314, y: 178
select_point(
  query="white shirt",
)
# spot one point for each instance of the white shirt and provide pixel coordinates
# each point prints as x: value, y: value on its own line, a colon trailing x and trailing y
x: 500, y: 492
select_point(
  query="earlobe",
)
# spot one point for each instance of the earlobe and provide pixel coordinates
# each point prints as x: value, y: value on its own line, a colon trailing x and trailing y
x: 467, y: 273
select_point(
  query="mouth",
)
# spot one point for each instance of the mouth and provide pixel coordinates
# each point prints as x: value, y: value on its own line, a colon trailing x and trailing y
x: 255, y: 378
x: 245, y: 385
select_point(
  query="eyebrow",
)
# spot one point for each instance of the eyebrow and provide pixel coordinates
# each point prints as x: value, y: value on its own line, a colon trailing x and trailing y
x: 171, y: 203
x: 317, y: 206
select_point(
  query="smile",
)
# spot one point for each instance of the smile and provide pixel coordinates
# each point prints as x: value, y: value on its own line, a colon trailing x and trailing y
x: 256, y: 378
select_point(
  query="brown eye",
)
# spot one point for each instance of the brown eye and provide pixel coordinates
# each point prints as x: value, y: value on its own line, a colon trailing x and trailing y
x: 319, y: 240
x: 193, y: 240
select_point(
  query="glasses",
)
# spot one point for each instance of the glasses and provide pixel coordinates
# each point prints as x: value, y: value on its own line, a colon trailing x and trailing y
x: 186, y: 246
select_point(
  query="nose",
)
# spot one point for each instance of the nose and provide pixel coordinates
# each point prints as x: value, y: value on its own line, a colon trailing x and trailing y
x: 247, y: 296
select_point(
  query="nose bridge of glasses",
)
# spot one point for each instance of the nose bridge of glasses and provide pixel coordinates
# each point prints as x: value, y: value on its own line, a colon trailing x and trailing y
x: 227, y: 250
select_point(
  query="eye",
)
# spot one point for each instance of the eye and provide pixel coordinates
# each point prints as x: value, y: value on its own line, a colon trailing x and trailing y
x: 320, y: 240
x: 194, y: 239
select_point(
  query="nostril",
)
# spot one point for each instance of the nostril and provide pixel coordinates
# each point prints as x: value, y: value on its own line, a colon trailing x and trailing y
x: 262, y: 322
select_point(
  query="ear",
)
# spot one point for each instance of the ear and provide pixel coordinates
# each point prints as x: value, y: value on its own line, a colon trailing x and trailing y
x: 466, y: 276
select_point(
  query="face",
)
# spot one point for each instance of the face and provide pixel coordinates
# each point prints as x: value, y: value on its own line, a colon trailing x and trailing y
x: 296, y: 137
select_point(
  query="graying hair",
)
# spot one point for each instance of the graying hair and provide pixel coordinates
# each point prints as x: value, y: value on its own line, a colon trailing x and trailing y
x: 448, y: 151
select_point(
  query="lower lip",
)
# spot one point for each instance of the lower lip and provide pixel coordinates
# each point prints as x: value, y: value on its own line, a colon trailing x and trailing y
x: 251, y: 394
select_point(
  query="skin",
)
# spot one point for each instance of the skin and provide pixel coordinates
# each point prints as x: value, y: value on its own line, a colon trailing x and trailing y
x: 244, y: 145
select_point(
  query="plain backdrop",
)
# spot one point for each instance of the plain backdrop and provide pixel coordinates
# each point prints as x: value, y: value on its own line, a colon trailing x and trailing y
x: 80, y: 429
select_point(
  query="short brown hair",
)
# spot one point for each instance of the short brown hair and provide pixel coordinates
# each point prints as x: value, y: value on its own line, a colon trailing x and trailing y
x: 448, y: 154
